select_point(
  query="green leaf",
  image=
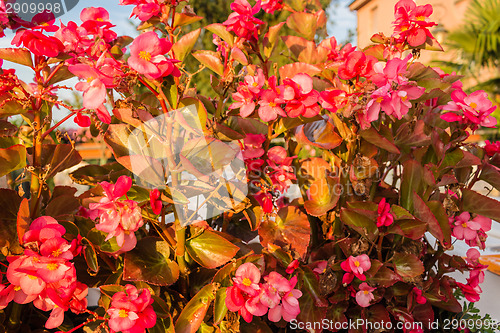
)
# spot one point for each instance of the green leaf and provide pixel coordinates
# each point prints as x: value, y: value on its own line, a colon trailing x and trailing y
x: 184, y: 45
x: 384, y: 277
x: 163, y: 325
x: 211, y: 250
x: 412, y: 181
x: 372, y: 136
x: 169, y: 87
x: 407, y: 265
x: 220, y: 308
x: 194, y: 312
x: 221, y: 31
x: 19, y: 56
x: 23, y: 219
x: 12, y: 158
x: 323, y: 195
x: 60, y: 157
x: 90, y: 256
x: 414, y: 229
x: 10, y: 203
x: 440, y: 214
x: 291, y: 227
x: 210, y: 59
x: 303, y: 23
x: 185, y: 19
x: 320, y: 134
x: 491, y: 175
x: 271, y: 38
x: 479, y: 204
x: 360, y: 223
x: 62, y: 74
x: 98, y: 238
x: 424, y: 213
x: 149, y: 262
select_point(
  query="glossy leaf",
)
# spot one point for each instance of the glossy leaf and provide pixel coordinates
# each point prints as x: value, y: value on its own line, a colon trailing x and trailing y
x: 360, y: 223
x: 91, y: 257
x: 220, y: 308
x: 210, y: 59
x: 184, y: 45
x: 23, y: 219
x: 407, y: 265
x: 477, y: 203
x: 290, y: 70
x: 149, y: 262
x: 271, y: 38
x: 371, y: 135
x: 12, y: 158
x: 303, y: 23
x: 291, y: 227
x: 424, y: 213
x: 323, y: 195
x: 491, y: 175
x: 412, y: 181
x: 319, y: 134
x: 193, y: 313
x: 211, y: 250
x: 98, y: 238
x: 221, y: 31
x: 19, y: 56
x: 185, y: 19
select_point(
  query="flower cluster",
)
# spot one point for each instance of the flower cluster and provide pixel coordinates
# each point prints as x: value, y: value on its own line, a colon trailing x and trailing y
x: 384, y: 218
x: 473, y: 231
x: 473, y: 110
x: 295, y: 97
x: 394, y: 91
x: 251, y: 298
x: 354, y: 267
x: 118, y: 218
x: 131, y: 311
x: 492, y: 148
x: 412, y: 22
x: 242, y: 21
x: 471, y: 289
x: 44, y: 274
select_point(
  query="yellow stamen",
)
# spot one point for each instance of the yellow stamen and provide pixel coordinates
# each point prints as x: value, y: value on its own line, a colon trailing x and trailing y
x: 123, y: 313
x: 473, y: 105
x: 247, y: 282
x: 17, y: 288
x: 420, y: 18
x: 32, y: 277
x: 56, y: 253
x: 365, y: 292
x: 379, y: 99
x: 464, y: 225
x: 404, y: 98
x: 255, y: 84
x: 52, y: 267
x: 272, y: 104
x: 145, y: 55
x: 356, y: 263
x: 100, y: 20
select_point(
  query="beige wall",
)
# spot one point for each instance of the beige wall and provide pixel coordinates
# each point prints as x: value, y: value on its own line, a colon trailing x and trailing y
x: 376, y: 16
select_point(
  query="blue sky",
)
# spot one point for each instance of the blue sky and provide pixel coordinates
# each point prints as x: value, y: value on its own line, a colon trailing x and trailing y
x: 340, y: 21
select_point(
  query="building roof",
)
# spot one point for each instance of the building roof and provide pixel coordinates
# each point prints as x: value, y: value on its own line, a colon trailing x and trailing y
x: 357, y: 4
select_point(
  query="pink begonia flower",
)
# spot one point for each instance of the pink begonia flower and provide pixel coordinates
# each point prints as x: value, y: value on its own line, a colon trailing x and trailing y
x: 320, y: 267
x: 305, y: 98
x: 255, y: 83
x: 247, y: 279
x: 289, y: 308
x: 384, y: 217
x: 242, y: 21
x: 292, y: 266
x: 131, y: 311
x: 412, y: 22
x: 476, y: 273
x: 364, y: 296
x: 473, y: 110
x: 394, y: 71
x: 354, y: 267
x: 146, y: 10
x: 270, y: 6
x: 96, y: 22
x: 465, y: 228
x: 155, y: 201
x: 147, y: 56
x: 419, y: 298
x: 491, y: 148
x: 253, y: 146
x: 118, y: 218
x: 245, y: 101
x: 270, y: 106
x: 332, y: 100
x: 244, y: 296
x: 275, y: 286
x: 38, y: 43
x: 355, y: 65
x: 46, y: 278
x: 471, y: 293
